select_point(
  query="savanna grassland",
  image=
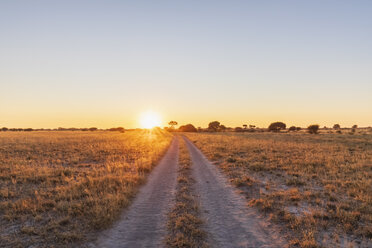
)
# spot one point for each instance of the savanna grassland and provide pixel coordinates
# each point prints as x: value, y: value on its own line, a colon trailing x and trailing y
x: 57, y: 188
x: 317, y: 186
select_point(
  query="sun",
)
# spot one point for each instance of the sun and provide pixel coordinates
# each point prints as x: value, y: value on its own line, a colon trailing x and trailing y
x: 150, y: 120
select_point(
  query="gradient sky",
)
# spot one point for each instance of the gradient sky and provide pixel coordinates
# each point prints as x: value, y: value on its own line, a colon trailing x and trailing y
x: 103, y: 63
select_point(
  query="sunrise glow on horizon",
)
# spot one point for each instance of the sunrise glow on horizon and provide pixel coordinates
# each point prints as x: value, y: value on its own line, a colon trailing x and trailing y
x: 105, y: 63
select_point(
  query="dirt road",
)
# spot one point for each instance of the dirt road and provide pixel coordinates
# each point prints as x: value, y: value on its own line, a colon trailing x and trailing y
x: 144, y: 223
x: 229, y: 222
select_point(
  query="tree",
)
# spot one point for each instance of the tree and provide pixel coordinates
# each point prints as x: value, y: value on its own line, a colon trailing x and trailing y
x: 277, y: 126
x: 187, y: 128
x: 354, y: 126
x: 313, y: 128
x: 172, y: 124
x: 222, y: 128
x: 298, y: 128
x: 119, y: 129
x: 245, y: 126
x: 5, y: 129
x: 292, y: 128
x: 213, y: 126
x: 93, y: 129
x: 239, y: 129
x: 252, y: 126
x: 336, y: 126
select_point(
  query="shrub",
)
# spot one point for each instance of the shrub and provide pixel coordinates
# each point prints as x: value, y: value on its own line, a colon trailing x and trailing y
x: 292, y: 128
x: 187, y: 128
x: 298, y: 128
x: 336, y: 126
x: 93, y: 129
x: 354, y: 126
x: 277, y: 126
x: 4, y: 129
x: 313, y: 128
x: 239, y: 129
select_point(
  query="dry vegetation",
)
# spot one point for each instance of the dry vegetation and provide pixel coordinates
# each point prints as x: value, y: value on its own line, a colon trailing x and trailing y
x: 57, y: 187
x: 185, y: 225
x: 318, y: 186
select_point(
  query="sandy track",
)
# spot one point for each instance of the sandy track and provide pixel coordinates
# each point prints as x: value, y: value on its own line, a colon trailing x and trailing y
x: 144, y: 223
x: 229, y: 222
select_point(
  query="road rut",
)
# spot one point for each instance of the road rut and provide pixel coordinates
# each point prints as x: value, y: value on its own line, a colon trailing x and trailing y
x: 229, y: 222
x: 144, y: 223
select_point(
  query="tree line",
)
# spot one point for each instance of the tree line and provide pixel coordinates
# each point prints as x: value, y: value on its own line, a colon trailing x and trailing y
x: 216, y: 126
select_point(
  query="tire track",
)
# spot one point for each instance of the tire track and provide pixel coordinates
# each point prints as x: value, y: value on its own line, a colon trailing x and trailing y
x: 144, y: 223
x: 229, y: 221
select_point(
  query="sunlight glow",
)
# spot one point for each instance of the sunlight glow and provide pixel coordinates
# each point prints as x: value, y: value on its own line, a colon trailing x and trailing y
x: 149, y: 120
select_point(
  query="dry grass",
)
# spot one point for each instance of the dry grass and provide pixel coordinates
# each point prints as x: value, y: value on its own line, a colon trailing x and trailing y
x: 185, y: 225
x: 57, y: 187
x: 318, y: 186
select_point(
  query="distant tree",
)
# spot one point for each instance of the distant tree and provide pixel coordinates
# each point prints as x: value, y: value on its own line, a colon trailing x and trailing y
x: 355, y: 126
x: 4, y: 129
x: 213, y: 126
x: 252, y: 126
x: 245, y: 126
x: 336, y: 126
x: 28, y: 129
x: 222, y: 128
x: 200, y: 129
x: 292, y: 128
x: 172, y: 124
x: 277, y: 126
x: 313, y: 128
x: 298, y: 128
x: 117, y: 129
x: 93, y: 129
x: 239, y: 129
x: 187, y: 128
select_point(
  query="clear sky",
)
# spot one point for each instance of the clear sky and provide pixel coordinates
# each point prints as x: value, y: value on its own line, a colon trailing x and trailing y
x: 103, y: 63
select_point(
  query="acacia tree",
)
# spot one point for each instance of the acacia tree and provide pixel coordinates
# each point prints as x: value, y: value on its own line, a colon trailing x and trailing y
x: 213, y: 126
x: 277, y: 126
x: 336, y: 126
x: 245, y: 126
x: 172, y: 124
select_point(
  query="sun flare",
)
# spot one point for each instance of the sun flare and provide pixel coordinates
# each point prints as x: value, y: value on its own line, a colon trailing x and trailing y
x: 150, y: 120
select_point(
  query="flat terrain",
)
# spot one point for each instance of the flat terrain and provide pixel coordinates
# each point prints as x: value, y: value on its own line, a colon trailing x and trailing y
x: 207, y: 189
x: 144, y: 223
x: 57, y: 187
x: 229, y: 222
x: 317, y: 186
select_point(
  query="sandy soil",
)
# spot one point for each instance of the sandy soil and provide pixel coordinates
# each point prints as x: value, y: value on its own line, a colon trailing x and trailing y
x: 229, y: 221
x: 144, y: 223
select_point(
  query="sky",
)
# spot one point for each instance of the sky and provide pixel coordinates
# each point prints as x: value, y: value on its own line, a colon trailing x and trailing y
x: 104, y: 63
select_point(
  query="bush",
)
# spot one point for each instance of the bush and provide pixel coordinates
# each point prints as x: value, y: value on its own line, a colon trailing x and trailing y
x: 313, y: 128
x: 93, y: 129
x: 4, y: 129
x: 336, y: 126
x: 239, y: 129
x: 292, y: 128
x: 298, y: 128
x: 277, y: 126
x: 187, y: 128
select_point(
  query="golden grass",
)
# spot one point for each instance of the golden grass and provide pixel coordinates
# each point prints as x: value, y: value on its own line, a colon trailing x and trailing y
x: 58, y: 187
x: 318, y: 186
x: 185, y: 225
